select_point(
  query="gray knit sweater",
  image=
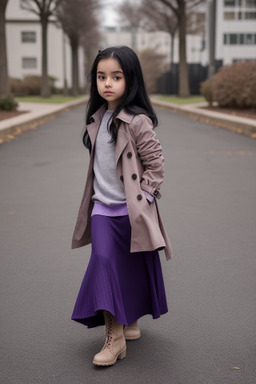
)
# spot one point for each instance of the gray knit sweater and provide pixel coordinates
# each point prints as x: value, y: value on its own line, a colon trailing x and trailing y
x: 107, y: 187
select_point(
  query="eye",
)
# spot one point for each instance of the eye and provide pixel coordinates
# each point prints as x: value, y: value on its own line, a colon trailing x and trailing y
x: 101, y: 77
x: 117, y: 78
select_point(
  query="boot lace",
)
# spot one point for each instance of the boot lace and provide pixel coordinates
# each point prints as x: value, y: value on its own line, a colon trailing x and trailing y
x: 109, y: 333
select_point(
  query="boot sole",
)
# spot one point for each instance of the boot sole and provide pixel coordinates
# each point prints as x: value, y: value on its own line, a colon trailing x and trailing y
x: 132, y: 338
x: 121, y: 356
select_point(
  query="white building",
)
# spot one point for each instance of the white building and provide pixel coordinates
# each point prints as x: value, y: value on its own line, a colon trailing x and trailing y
x: 24, y: 48
x: 235, y: 30
x: 159, y: 41
x: 234, y: 39
x: 235, y: 34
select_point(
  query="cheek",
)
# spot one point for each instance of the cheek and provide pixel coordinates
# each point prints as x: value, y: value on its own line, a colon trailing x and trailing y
x: 98, y: 86
x: 123, y: 87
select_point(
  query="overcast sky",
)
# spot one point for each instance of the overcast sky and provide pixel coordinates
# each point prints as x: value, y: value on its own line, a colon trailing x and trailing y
x: 110, y: 17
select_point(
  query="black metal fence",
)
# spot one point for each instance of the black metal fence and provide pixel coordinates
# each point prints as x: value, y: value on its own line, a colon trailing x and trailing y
x: 168, y: 84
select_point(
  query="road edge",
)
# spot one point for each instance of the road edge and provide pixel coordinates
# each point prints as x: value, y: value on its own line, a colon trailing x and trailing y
x: 241, y: 126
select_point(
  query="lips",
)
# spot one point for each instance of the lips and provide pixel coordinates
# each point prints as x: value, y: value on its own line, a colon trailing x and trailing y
x: 108, y: 93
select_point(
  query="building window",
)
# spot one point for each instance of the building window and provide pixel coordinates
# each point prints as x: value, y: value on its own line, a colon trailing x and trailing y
x: 239, y: 39
x: 28, y: 37
x: 229, y: 15
x: 232, y: 39
x: 250, y: 15
x: 250, y: 3
x: 247, y: 3
x: 247, y: 15
x: 229, y: 3
x: 29, y: 62
x: 249, y: 39
x: 243, y: 60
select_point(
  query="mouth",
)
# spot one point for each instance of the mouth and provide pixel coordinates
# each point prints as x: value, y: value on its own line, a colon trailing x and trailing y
x: 108, y: 93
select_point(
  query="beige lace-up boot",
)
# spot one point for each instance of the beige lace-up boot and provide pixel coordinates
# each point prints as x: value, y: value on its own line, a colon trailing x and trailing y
x: 132, y: 332
x: 115, y: 344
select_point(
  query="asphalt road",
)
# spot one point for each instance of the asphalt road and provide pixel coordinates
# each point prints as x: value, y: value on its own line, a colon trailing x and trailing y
x: 208, y: 205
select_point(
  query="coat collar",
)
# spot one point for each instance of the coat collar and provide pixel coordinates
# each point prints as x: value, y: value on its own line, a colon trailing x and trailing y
x: 93, y: 128
x: 123, y: 115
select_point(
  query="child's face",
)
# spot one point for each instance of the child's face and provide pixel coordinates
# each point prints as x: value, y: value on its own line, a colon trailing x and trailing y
x: 110, y: 81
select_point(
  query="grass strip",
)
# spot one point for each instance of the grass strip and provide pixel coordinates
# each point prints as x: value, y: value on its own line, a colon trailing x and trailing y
x: 50, y: 100
x: 181, y: 100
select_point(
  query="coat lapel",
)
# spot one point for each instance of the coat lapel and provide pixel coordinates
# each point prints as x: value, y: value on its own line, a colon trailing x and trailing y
x: 122, y: 140
x: 93, y: 128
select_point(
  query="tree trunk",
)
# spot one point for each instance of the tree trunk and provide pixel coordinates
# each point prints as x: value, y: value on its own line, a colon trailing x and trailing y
x: 211, y: 36
x: 75, y: 77
x: 172, y: 48
x: 65, y: 85
x: 45, y: 87
x: 4, y: 79
x: 183, y: 68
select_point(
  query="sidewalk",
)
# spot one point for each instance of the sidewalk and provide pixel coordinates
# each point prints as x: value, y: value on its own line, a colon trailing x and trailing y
x: 35, y: 114
x: 39, y: 113
x: 240, y: 125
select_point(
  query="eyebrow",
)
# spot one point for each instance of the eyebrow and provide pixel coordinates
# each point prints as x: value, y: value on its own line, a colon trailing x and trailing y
x: 114, y: 72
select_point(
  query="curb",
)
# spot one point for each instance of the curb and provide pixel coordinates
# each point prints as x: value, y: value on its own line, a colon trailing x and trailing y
x: 235, y: 124
x: 15, y: 127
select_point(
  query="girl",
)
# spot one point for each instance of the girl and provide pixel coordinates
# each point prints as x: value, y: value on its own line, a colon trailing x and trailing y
x: 119, y: 213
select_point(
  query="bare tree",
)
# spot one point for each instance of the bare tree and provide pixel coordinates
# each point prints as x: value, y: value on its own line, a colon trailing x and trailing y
x: 4, y: 80
x: 158, y: 17
x: 44, y: 9
x: 152, y: 65
x: 90, y: 43
x: 180, y: 9
x: 165, y: 15
x: 130, y: 15
x: 77, y: 19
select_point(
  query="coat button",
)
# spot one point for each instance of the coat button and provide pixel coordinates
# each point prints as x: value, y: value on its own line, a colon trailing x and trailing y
x: 139, y: 197
x: 155, y: 193
x: 134, y: 176
x: 129, y: 155
x: 121, y: 178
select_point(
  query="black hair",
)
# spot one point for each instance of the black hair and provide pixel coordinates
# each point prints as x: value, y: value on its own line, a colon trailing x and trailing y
x: 135, y: 99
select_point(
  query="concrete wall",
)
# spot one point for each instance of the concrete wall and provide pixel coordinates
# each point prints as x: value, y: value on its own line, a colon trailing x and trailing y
x: 19, y: 21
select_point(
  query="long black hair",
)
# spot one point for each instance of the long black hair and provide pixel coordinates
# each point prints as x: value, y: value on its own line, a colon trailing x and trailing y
x: 135, y: 99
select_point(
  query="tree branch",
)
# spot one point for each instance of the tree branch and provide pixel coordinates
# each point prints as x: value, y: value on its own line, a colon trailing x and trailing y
x: 26, y: 7
x: 170, y: 5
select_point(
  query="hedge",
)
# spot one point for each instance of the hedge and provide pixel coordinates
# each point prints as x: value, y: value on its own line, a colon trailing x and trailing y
x: 30, y: 85
x: 232, y: 86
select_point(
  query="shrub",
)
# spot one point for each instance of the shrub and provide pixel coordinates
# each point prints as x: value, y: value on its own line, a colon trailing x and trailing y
x: 206, y: 91
x: 18, y: 88
x: 7, y: 103
x: 152, y: 67
x: 52, y: 81
x: 30, y: 85
x: 233, y: 86
x: 33, y: 84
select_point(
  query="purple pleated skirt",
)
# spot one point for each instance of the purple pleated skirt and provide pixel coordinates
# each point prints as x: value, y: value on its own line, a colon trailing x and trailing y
x: 128, y: 285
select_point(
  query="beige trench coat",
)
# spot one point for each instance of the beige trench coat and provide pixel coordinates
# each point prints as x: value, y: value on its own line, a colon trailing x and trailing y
x: 139, y: 164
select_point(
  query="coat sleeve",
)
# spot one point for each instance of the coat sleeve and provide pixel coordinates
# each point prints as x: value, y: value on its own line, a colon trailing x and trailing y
x: 150, y: 153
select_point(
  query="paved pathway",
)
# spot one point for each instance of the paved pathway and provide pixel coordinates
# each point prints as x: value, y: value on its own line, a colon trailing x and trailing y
x: 208, y: 336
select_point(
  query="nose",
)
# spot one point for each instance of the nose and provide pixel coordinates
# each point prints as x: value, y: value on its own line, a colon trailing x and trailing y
x: 108, y: 82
